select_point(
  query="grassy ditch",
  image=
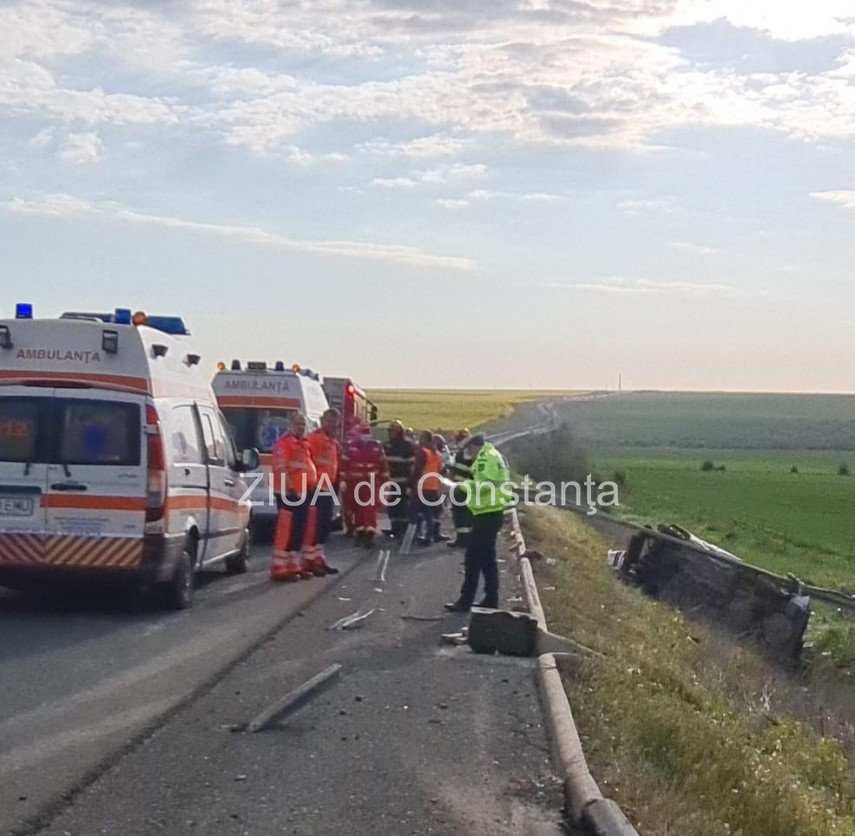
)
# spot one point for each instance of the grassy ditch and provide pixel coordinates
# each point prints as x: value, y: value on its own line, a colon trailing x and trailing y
x: 684, y: 729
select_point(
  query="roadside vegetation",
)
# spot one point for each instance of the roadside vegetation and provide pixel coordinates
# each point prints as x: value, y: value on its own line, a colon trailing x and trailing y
x: 450, y: 409
x: 689, y: 732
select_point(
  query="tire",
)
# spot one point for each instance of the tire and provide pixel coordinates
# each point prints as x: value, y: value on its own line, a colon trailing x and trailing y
x: 238, y: 564
x: 177, y: 592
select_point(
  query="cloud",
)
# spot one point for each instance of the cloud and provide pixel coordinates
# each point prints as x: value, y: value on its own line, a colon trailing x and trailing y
x: 588, y: 74
x: 424, y: 147
x: 844, y: 198
x: 530, y: 197
x: 82, y: 148
x: 784, y: 21
x: 458, y: 171
x: 393, y: 182
x: 540, y: 197
x: 449, y: 203
x: 694, y: 249
x: 652, y: 206
x: 66, y: 206
x: 647, y: 287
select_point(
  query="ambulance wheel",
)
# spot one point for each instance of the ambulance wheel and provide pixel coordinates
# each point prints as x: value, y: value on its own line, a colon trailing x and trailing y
x: 237, y: 564
x: 177, y: 592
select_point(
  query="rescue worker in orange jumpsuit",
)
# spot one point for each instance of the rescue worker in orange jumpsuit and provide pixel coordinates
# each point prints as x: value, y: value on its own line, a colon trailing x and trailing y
x: 295, y: 479
x: 364, y: 471
x: 326, y: 451
x: 426, y: 489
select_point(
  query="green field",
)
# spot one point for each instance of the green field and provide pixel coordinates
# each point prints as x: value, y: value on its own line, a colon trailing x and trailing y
x: 800, y: 522
x: 450, y: 409
x: 717, y: 420
x: 786, y: 522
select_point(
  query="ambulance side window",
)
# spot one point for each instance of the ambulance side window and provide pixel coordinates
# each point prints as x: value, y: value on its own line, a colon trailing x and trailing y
x: 214, y: 441
x: 229, y: 446
x: 184, y: 436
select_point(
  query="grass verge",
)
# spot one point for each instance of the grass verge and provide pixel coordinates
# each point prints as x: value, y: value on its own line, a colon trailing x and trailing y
x: 677, y: 722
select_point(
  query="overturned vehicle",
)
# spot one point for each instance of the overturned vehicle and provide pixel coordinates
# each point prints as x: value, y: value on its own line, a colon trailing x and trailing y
x: 702, y: 579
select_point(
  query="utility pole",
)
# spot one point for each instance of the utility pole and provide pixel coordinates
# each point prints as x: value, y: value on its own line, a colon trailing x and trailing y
x: 620, y: 383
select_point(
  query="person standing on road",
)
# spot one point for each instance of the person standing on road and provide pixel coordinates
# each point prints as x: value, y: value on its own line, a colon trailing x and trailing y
x: 400, y: 455
x: 295, y: 477
x: 326, y: 451
x: 459, y: 471
x: 426, y: 489
x: 488, y: 494
x: 365, y: 471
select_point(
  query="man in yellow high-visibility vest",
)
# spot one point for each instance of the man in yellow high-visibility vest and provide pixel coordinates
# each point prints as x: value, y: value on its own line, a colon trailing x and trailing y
x: 488, y: 494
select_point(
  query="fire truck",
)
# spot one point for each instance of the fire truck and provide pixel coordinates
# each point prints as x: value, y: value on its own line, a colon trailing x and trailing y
x: 354, y: 405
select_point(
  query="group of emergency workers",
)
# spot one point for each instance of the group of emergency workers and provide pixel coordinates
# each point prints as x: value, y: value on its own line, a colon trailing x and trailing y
x: 310, y: 470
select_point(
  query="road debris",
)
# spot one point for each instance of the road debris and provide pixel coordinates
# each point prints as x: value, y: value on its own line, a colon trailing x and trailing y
x: 293, y: 700
x: 353, y: 621
x: 382, y: 564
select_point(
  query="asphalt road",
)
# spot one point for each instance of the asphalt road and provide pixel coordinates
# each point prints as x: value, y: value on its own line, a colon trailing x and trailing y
x: 83, y: 676
x: 413, y: 737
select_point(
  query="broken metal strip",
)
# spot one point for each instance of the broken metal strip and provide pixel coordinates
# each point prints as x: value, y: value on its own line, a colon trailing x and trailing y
x: 294, y: 699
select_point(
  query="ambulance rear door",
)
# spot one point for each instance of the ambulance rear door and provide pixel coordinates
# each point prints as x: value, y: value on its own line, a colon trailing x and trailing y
x: 96, y: 479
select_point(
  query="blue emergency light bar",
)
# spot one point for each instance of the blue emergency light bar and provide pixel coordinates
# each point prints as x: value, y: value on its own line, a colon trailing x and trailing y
x: 122, y: 316
x: 23, y: 310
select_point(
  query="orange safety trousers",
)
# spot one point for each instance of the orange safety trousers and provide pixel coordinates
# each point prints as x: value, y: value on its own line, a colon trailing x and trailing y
x: 295, y: 551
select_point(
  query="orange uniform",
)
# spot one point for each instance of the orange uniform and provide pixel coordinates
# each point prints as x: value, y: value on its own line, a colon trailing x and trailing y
x: 430, y: 471
x: 326, y: 454
x: 295, y: 477
x: 294, y: 469
x: 363, y: 465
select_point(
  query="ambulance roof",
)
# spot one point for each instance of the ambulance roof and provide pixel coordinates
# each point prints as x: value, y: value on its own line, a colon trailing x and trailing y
x: 84, y: 350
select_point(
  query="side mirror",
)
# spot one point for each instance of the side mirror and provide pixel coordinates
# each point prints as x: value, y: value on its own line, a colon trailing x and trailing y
x: 250, y: 459
x: 374, y: 413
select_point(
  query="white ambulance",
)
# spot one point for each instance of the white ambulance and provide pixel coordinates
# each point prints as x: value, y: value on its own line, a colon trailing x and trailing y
x: 115, y: 463
x: 258, y: 403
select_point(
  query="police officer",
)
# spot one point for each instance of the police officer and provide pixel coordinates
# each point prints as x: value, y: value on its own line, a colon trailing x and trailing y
x: 487, y: 495
x: 400, y: 457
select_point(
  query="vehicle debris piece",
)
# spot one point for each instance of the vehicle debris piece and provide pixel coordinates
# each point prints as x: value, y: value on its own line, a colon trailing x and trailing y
x: 294, y: 700
x: 382, y: 565
x: 352, y: 621
x: 675, y: 566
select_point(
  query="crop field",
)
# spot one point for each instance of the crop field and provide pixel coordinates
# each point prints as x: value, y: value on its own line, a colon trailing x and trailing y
x: 774, y: 491
x: 757, y: 508
x: 450, y: 409
x: 721, y: 421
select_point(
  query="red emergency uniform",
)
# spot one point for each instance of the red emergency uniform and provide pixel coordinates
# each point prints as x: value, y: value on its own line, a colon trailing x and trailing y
x: 295, y: 478
x: 364, y: 471
x: 326, y: 452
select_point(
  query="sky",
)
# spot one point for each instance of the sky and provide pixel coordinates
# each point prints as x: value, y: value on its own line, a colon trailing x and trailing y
x: 445, y: 193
